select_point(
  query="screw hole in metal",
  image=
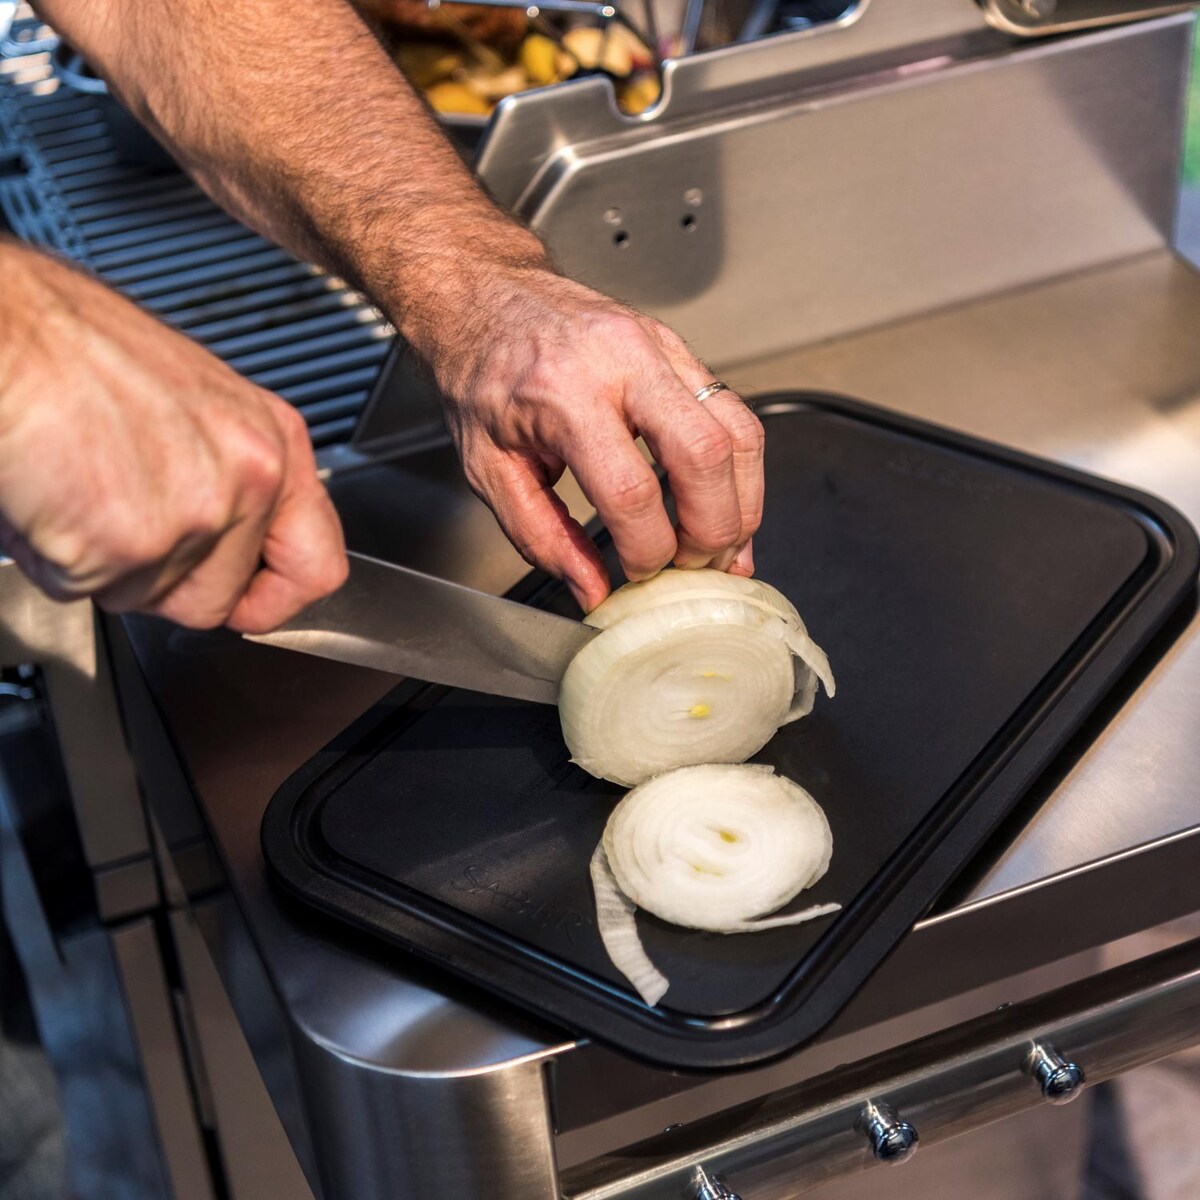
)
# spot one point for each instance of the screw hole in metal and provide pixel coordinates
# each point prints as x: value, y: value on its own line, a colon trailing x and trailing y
x: 621, y: 239
x: 687, y: 223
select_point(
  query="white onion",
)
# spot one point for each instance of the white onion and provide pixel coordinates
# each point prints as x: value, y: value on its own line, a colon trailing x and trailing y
x: 689, y: 667
x: 712, y: 847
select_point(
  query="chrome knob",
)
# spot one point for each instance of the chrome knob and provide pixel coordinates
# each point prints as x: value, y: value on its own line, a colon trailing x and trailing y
x: 892, y: 1140
x: 708, y: 1187
x: 1060, y: 1081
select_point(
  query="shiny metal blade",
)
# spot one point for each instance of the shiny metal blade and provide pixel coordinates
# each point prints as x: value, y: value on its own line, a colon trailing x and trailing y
x: 392, y: 619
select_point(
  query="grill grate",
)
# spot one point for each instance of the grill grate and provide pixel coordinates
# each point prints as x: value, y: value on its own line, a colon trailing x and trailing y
x: 153, y: 235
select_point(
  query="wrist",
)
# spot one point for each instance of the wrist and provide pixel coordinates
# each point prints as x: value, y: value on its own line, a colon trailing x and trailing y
x: 432, y: 279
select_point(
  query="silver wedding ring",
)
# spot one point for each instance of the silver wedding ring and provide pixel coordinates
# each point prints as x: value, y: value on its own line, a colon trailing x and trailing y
x: 709, y: 390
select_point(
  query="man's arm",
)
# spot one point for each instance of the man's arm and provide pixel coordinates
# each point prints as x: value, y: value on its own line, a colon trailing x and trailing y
x: 293, y: 117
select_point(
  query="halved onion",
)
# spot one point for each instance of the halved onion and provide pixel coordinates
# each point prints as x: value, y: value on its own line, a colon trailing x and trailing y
x: 712, y: 847
x: 689, y: 667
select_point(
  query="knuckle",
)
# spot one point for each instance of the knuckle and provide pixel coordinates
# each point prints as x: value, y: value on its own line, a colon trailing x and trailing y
x: 636, y: 492
x: 191, y: 614
x: 622, y: 328
x: 708, y: 448
x: 748, y: 431
x: 717, y: 536
x: 751, y: 520
x: 261, y: 463
x: 332, y: 572
x: 669, y: 339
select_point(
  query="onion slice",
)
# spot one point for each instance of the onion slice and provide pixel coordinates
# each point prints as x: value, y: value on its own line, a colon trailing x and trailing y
x: 689, y: 667
x: 713, y: 847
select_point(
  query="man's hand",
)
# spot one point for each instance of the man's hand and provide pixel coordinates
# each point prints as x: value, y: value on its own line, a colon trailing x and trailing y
x: 542, y: 373
x: 138, y: 469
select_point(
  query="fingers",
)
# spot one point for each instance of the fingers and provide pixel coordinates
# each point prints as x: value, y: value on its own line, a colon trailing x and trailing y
x: 517, y: 487
x: 621, y: 485
x: 746, y: 439
x: 746, y: 436
x: 303, y: 552
x: 206, y: 593
x: 743, y: 564
x: 697, y: 453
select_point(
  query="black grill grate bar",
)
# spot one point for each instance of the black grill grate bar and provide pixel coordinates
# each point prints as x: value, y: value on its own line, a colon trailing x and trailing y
x: 333, y: 432
x: 192, y: 306
x: 194, y: 269
x: 201, y: 244
x: 157, y: 232
x: 100, y: 221
x: 72, y: 134
x: 132, y: 196
x: 72, y: 183
x: 70, y: 176
x: 352, y: 320
x: 294, y: 355
x: 318, y: 389
x: 46, y: 124
x: 332, y: 408
x: 72, y: 162
x: 315, y: 375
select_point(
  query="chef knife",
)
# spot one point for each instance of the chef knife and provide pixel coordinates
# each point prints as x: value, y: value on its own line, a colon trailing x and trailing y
x: 393, y: 619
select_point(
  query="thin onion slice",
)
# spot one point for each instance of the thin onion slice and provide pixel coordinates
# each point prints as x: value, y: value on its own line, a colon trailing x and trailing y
x: 711, y: 847
x: 690, y: 667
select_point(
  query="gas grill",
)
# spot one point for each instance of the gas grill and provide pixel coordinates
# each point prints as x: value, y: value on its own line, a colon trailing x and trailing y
x: 931, y: 205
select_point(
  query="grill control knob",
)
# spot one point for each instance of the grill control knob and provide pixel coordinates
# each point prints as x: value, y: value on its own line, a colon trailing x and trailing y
x: 708, y: 1187
x: 892, y: 1140
x: 1060, y: 1081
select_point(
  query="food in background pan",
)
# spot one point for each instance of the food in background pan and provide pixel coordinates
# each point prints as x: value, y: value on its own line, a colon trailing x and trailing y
x: 466, y: 58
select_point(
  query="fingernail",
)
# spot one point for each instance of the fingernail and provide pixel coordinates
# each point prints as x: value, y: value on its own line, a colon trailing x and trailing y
x: 743, y: 564
x: 580, y: 594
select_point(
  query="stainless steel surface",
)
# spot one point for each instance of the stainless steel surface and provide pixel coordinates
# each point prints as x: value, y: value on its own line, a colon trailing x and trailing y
x: 1060, y: 1081
x: 256, y: 1161
x: 1035, y: 1155
x: 775, y: 1147
x: 705, y: 1187
x: 528, y: 130
x: 1041, y: 18
x: 751, y: 274
x: 63, y: 640
x: 78, y: 986
x: 151, y: 1013
x: 392, y: 618
x: 891, y: 1140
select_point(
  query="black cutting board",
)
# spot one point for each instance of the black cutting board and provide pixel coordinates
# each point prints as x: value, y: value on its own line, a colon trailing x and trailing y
x: 975, y: 604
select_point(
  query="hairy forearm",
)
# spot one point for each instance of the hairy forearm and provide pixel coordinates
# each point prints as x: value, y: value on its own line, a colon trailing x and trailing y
x: 293, y: 117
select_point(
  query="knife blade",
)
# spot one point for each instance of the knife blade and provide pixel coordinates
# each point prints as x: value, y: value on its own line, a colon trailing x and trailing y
x: 391, y: 618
